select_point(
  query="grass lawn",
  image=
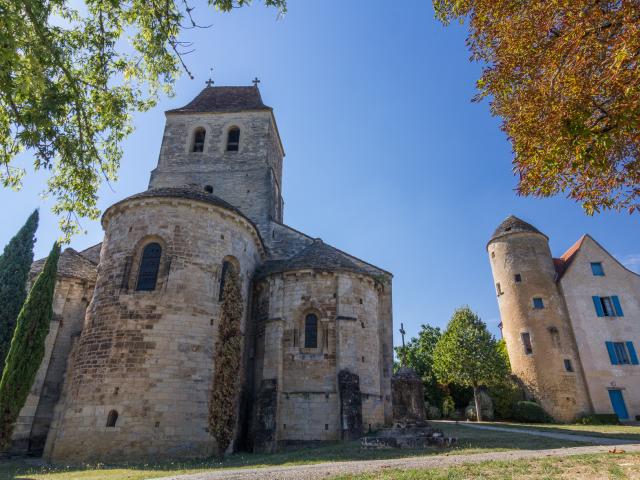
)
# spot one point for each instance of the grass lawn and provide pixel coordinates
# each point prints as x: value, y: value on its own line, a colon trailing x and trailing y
x: 599, y: 466
x: 627, y: 432
x: 469, y: 441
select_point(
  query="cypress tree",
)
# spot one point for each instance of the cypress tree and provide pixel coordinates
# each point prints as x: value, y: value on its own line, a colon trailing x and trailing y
x: 224, y: 394
x: 15, y: 263
x: 27, y: 347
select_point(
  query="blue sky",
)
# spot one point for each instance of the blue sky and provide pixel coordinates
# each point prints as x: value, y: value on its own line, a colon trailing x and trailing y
x: 387, y: 158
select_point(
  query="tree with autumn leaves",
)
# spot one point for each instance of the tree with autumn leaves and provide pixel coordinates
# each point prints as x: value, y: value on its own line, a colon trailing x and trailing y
x: 564, y: 76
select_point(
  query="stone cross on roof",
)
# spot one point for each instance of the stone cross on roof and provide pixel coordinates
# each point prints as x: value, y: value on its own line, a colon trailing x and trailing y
x: 404, y: 353
x: 210, y: 81
x: 256, y: 81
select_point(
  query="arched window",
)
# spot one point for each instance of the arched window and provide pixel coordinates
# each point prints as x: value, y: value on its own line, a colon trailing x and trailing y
x: 233, y: 139
x: 311, y: 331
x: 223, y: 277
x: 198, y: 140
x: 149, y: 266
x: 112, y: 418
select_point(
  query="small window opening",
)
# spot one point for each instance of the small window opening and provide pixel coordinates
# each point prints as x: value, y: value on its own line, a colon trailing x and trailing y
x: 233, y: 139
x: 518, y: 278
x: 526, y: 343
x: 607, y: 307
x: 208, y: 188
x: 311, y: 331
x: 223, y: 279
x: 198, y: 140
x: 112, y: 418
x: 555, y: 336
x: 568, y: 366
x: 149, y: 266
x: 538, y: 304
x: 326, y: 426
x: 596, y: 269
x: 499, y: 289
x: 493, y: 254
x: 621, y: 352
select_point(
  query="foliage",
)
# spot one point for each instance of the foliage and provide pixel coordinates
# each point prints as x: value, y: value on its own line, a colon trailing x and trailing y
x: 530, y: 412
x: 27, y: 347
x: 487, y: 411
x: 448, y: 406
x: 505, y: 395
x: 227, y: 357
x: 71, y: 75
x: 564, y: 76
x: 419, y: 356
x: 15, y: 263
x: 599, y: 419
x: 467, y: 354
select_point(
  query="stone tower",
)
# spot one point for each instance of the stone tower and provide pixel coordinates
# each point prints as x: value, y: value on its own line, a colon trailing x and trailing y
x: 225, y: 140
x: 535, y: 322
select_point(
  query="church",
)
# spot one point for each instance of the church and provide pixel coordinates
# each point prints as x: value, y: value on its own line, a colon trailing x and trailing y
x: 128, y: 368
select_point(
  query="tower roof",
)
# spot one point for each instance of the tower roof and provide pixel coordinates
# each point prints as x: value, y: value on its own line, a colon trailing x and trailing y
x: 513, y: 224
x: 224, y: 100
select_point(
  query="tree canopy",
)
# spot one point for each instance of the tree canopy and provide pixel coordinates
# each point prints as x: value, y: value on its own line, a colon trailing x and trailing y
x: 71, y: 75
x: 564, y: 76
x: 467, y: 354
x: 15, y: 263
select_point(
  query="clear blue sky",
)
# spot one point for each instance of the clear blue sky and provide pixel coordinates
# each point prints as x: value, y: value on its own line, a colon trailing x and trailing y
x: 387, y: 158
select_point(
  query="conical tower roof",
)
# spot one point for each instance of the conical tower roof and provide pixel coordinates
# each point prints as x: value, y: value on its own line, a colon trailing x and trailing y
x: 513, y: 224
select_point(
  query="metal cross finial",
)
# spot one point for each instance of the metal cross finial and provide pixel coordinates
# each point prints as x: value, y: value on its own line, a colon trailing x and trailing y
x: 256, y: 81
x: 404, y: 353
x: 210, y: 81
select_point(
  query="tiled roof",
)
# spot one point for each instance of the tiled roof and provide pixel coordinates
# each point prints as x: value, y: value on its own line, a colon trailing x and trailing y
x: 224, y: 100
x: 513, y: 224
x: 71, y: 264
x: 317, y: 256
x: 562, y: 264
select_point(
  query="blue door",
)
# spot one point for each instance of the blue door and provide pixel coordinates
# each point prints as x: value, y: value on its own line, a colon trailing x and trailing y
x: 617, y: 402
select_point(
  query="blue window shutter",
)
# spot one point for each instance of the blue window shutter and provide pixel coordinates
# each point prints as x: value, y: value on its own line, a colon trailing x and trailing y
x: 598, y: 305
x: 616, y: 305
x: 632, y: 353
x: 612, y: 353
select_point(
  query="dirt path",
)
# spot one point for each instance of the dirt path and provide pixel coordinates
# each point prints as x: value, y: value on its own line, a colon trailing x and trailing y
x: 560, y: 436
x: 327, y: 470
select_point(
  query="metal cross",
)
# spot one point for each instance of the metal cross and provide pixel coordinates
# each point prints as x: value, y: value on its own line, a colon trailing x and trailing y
x: 256, y: 81
x: 404, y: 353
x: 210, y: 81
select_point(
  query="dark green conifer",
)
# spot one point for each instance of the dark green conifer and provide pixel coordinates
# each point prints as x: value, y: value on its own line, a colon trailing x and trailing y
x: 15, y: 263
x: 27, y: 347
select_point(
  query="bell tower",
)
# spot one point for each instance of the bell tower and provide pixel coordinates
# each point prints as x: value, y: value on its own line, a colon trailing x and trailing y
x: 226, y: 143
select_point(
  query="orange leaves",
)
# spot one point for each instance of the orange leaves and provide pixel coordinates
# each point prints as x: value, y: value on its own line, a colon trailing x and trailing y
x: 564, y: 76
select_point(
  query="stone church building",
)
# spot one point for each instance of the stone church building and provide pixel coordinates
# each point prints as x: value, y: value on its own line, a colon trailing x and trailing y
x: 128, y: 368
x: 571, y: 324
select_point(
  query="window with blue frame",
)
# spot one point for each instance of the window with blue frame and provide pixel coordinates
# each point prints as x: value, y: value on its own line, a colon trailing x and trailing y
x: 622, y: 353
x: 596, y: 269
x: 538, y: 303
x: 608, y: 306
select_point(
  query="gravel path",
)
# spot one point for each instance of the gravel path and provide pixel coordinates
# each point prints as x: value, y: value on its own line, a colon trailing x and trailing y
x: 327, y: 470
x: 557, y: 435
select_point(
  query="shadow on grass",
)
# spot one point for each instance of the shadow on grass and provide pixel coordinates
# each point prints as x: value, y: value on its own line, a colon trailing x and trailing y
x: 469, y: 441
x: 625, y: 432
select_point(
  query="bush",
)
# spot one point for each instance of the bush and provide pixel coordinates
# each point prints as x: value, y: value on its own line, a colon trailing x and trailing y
x: 505, y: 395
x: 433, y: 413
x: 448, y: 406
x: 599, y: 419
x: 530, y: 412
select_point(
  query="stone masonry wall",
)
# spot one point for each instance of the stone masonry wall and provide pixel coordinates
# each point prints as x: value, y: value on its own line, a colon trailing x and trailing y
x: 249, y: 179
x: 350, y: 334
x: 149, y: 355
x: 561, y: 393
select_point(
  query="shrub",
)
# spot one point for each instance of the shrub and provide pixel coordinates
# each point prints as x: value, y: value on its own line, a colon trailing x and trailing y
x: 505, y: 395
x: 530, y: 412
x: 600, y: 419
x: 448, y: 406
x: 433, y: 413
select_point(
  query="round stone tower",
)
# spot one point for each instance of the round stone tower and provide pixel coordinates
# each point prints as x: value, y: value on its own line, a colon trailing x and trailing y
x: 535, y: 323
x: 141, y: 373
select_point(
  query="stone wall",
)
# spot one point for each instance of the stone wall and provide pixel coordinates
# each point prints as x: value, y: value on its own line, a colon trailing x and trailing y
x: 249, y: 179
x: 579, y: 285
x: 563, y: 394
x: 351, y: 336
x: 149, y: 355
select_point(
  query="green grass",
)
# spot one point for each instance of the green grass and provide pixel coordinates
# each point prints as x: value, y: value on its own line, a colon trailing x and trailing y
x: 598, y: 466
x: 469, y: 441
x: 626, y: 432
